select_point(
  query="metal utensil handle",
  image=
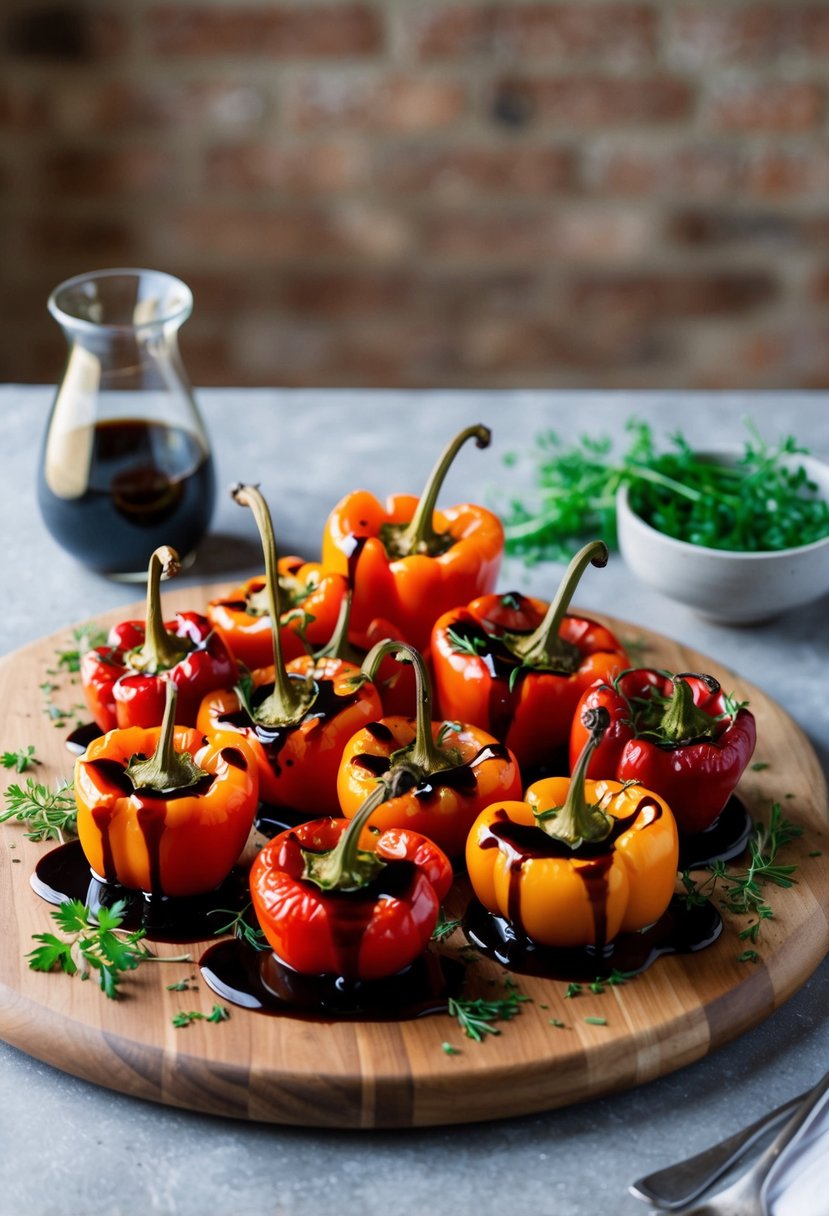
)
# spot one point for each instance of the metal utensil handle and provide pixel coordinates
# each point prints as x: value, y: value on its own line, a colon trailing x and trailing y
x: 815, y: 1099
x: 681, y: 1183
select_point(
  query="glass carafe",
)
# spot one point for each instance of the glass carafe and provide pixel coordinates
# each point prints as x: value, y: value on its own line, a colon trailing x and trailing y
x: 126, y: 463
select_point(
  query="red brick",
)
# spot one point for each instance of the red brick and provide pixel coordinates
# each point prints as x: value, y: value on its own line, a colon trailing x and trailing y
x: 783, y: 171
x: 519, y: 235
x: 282, y: 31
x: 375, y: 102
x: 95, y: 104
x: 65, y: 33
x: 282, y: 234
x: 787, y: 356
x: 22, y: 109
x: 699, y: 170
x: 675, y: 294
x: 468, y: 170
x: 548, y: 30
x: 88, y: 172
x: 299, y: 168
x: 78, y: 242
x: 767, y: 106
x: 703, y: 34
x: 586, y: 101
x: 734, y: 227
x: 819, y: 289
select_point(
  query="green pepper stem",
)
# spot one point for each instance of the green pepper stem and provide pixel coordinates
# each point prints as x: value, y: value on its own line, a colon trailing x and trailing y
x: 682, y: 720
x: 419, y: 536
x: 167, y: 769
x: 290, y: 699
x: 160, y: 650
x: 347, y: 867
x: 338, y: 645
x: 543, y: 647
x: 578, y: 821
x: 423, y: 753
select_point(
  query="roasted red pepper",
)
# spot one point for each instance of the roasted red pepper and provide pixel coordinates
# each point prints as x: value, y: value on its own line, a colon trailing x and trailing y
x: 408, y: 562
x: 124, y: 681
x: 297, y: 718
x: 160, y: 810
x: 310, y: 601
x: 577, y: 862
x: 517, y: 666
x: 678, y: 735
x: 439, y: 775
x: 335, y: 899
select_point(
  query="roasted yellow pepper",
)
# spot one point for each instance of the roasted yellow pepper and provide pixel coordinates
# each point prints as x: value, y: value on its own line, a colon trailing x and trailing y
x: 577, y: 862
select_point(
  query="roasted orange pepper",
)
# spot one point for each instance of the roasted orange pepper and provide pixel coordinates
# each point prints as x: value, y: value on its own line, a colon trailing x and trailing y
x: 310, y: 601
x: 577, y: 862
x: 408, y: 562
x: 160, y: 810
x: 440, y: 775
x: 517, y: 666
x: 296, y: 718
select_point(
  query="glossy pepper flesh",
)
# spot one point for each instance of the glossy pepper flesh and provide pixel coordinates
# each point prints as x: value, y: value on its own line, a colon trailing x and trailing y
x: 296, y: 717
x: 440, y: 775
x: 335, y: 899
x: 124, y: 681
x: 517, y: 667
x: 311, y: 600
x: 578, y: 861
x: 408, y: 562
x: 160, y: 810
x: 679, y: 735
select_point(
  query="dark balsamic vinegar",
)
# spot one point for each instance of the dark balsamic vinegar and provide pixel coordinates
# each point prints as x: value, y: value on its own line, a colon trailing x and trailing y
x: 64, y: 873
x: 258, y: 980
x: 148, y: 484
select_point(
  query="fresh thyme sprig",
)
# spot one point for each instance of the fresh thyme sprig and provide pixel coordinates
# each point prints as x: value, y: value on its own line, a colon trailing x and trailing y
x: 476, y: 1015
x: 742, y: 890
x: 95, y: 945
x: 49, y: 814
x: 240, y: 927
x: 444, y: 928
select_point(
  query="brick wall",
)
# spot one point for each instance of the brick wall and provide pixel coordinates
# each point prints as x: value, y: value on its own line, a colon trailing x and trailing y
x: 430, y: 192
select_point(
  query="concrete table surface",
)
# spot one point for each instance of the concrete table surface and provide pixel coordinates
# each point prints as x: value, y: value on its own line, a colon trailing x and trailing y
x: 69, y: 1147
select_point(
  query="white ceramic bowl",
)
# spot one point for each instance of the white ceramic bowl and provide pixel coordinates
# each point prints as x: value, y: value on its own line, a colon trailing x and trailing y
x: 736, y: 588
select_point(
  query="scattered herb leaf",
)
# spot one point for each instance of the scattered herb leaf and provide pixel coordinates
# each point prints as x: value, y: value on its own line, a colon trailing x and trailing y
x: 49, y: 814
x: 20, y: 760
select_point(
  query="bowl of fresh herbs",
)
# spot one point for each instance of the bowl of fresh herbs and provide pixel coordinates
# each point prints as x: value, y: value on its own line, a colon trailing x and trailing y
x: 734, y: 541
x: 739, y: 535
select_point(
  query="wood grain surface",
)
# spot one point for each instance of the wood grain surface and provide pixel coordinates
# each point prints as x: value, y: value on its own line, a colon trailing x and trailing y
x: 396, y: 1074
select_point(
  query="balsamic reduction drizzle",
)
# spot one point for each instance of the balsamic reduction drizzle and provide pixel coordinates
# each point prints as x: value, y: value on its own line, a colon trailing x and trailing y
x: 64, y: 873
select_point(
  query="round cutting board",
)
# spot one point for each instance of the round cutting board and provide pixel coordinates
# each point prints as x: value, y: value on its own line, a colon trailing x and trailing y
x: 352, y: 1074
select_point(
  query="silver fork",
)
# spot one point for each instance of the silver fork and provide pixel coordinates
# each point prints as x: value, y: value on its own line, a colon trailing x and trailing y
x: 747, y: 1196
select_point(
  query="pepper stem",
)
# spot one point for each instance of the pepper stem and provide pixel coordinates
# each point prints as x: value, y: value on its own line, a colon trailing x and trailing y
x: 423, y: 755
x: 682, y: 720
x: 543, y: 647
x: 167, y: 769
x: 290, y: 699
x: 338, y: 645
x: 578, y: 821
x: 419, y: 536
x: 160, y: 650
x: 347, y: 867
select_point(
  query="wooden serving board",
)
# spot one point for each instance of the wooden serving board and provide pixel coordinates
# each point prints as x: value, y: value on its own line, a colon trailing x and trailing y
x: 350, y: 1074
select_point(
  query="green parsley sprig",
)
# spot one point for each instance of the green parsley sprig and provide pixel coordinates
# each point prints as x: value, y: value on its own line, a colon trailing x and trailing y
x: 20, y: 760
x: 93, y: 945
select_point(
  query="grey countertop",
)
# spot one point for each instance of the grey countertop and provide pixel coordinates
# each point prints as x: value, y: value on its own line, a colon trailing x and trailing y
x: 69, y: 1147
